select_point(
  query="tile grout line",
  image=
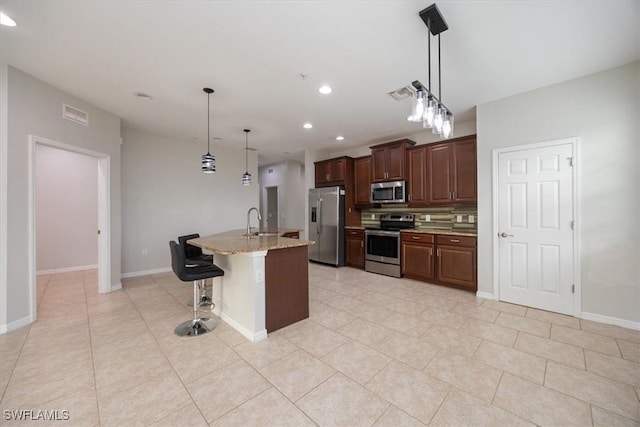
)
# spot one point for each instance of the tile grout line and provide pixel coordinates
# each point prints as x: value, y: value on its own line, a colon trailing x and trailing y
x: 93, y: 363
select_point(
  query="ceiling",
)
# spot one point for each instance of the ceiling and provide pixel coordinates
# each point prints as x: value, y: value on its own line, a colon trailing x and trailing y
x: 252, y: 53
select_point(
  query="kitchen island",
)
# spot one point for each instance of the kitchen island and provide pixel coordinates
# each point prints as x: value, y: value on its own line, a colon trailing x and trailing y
x: 266, y: 282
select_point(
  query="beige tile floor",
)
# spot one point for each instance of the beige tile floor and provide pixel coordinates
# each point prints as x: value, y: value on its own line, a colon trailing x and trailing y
x: 375, y: 351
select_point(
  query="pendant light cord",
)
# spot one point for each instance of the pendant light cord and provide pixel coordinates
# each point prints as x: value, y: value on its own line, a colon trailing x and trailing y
x: 246, y: 152
x: 439, y: 72
x: 429, y: 50
x: 208, y: 121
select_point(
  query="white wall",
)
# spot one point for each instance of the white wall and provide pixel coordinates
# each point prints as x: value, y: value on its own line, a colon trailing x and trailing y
x: 602, y: 110
x: 291, y: 192
x: 66, y: 209
x: 35, y: 108
x: 165, y: 195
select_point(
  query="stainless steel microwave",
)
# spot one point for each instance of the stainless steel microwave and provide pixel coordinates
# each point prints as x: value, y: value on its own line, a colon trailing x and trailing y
x: 389, y: 192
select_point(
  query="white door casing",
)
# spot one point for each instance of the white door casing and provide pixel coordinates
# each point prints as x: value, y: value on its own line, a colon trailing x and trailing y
x: 534, y: 231
x: 104, y: 216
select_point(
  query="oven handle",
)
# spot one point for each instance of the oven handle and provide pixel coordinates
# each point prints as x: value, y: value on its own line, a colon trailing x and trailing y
x: 382, y: 233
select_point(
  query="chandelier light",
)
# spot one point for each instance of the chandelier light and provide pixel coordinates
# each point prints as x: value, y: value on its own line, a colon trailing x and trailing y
x: 246, y: 177
x: 427, y: 108
x: 208, y: 161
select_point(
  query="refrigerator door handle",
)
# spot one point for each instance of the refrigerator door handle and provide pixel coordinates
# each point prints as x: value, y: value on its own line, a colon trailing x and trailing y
x: 319, y: 223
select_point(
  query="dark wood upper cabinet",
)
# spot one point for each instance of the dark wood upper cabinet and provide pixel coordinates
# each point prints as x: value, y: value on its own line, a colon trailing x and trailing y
x: 362, y: 180
x: 339, y: 171
x: 331, y: 172
x: 417, y: 175
x: 388, y: 161
x: 451, y: 170
x: 464, y: 174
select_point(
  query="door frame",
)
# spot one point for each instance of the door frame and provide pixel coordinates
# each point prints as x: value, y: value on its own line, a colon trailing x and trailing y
x: 575, y: 142
x: 265, y: 207
x: 104, y: 214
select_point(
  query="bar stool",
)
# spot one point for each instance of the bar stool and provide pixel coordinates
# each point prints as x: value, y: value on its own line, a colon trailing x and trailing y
x: 197, y: 325
x: 194, y: 256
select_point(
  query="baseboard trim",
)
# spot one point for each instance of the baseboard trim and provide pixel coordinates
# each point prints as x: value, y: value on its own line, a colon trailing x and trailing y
x: 629, y: 324
x: 116, y: 287
x: 253, y: 337
x: 67, y: 269
x: 485, y: 295
x: 16, y: 324
x: 145, y: 272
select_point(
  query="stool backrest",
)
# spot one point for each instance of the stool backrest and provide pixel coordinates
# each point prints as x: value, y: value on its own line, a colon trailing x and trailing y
x: 178, y: 263
x: 190, y: 251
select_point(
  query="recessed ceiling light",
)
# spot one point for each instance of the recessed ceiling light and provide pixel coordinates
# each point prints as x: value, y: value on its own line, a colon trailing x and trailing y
x: 6, y: 20
x: 325, y: 90
x: 339, y: 138
x: 143, y: 95
x: 307, y: 125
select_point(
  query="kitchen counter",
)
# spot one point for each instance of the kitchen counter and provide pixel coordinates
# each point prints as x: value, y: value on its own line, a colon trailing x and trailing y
x: 265, y: 285
x: 235, y: 241
x: 444, y: 232
x: 426, y: 230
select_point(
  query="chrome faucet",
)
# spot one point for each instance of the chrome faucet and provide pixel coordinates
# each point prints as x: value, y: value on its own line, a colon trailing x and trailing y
x: 249, y: 218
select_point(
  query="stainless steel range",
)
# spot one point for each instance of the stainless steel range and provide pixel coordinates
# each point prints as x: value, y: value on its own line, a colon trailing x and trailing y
x: 382, y: 244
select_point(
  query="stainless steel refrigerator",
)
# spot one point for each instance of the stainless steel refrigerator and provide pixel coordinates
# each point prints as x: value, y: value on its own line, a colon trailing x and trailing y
x: 326, y: 225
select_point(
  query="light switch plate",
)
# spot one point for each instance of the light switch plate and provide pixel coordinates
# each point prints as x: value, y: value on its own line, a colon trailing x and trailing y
x: 472, y: 219
x: 427, y: 218
x: 459, y: 218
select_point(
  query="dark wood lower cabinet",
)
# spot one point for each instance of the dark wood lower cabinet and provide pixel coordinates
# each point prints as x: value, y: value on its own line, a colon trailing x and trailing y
x: 417, y: 262
x: 286, y: 287
x: 354, y: 248
x: 457, y: 266
x: 440, y: 259
x: 417, y: 256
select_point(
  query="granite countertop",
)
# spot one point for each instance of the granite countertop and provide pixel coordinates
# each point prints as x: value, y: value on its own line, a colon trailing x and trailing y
x: 425, y: 230
x: 445, y: 232
x: 235, y: 242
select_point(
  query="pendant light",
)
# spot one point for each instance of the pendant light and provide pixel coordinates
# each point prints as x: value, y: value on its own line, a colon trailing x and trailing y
x: 208, y: 161
x: 246, y: 177
x: 427, y: 108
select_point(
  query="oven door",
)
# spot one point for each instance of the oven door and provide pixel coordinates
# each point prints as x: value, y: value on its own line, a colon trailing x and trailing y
x: 382, y: 246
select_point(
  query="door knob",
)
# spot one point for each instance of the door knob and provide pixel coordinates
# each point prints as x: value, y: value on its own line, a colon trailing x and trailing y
x: 503, y: 234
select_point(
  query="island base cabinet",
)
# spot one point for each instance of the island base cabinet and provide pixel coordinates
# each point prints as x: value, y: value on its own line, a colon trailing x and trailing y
x: 457, y: 266
x: 286, y: 287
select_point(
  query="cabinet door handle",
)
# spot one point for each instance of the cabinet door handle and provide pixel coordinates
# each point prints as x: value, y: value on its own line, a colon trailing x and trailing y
x: 438, y: 254
x: 454, y: 240
x: 415, y: 237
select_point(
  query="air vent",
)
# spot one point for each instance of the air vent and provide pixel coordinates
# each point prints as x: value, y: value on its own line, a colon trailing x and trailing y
x: 402, y: 93
x: 74, y: 115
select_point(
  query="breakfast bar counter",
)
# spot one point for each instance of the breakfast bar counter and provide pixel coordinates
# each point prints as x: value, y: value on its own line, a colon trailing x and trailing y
x: 266, y: 282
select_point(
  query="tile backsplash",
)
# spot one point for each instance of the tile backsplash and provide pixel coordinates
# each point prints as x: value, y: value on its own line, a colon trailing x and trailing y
x: 440, y: 218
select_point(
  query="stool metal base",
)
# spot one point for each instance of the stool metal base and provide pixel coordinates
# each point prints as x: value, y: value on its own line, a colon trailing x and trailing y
x: 192, y: 328
x: 206, y: 303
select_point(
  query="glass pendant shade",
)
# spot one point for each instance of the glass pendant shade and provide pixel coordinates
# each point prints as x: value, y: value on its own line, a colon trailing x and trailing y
x: 447, y: 126
x: 246, y: 178
x: 429, y: 113
x: 208, y: 163
x: 438, y: 120
x: 417, y: 109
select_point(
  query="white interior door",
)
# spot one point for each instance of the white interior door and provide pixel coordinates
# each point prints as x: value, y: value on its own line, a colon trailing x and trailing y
x: 535, y: 227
